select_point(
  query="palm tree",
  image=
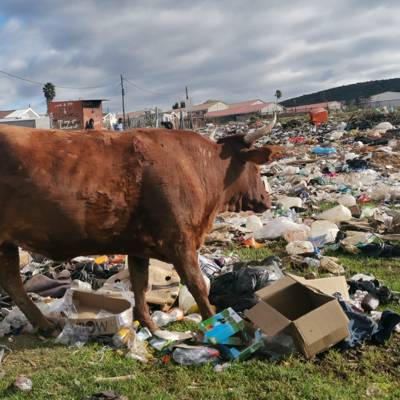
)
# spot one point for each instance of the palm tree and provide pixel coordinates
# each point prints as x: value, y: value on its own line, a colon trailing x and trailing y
x: 49, y: 91
x: 278, y: 95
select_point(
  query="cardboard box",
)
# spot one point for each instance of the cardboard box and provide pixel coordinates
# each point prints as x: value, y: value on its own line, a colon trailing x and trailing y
x: 330, y: 285
x: 315, y: 320
x: 103, y: 315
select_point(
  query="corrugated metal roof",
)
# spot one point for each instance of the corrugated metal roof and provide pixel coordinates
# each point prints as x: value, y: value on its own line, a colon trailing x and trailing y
x: 237, y: 110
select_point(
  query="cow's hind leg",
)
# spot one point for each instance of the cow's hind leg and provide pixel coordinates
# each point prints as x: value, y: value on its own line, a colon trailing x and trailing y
x: 139, y: 275
x: 10, y: 280
x: 187, y: 265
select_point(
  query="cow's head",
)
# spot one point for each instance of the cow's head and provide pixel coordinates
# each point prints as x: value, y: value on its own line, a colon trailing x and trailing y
x: 244, y: 188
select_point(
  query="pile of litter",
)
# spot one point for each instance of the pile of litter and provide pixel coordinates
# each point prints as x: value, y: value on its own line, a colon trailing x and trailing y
x: 338, y: 189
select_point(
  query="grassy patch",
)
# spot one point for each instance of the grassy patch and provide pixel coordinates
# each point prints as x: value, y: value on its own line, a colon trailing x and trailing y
x: 58, y: 372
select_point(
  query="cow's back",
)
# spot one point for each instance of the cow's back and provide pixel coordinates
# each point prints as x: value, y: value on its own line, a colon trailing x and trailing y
x: 66, y: 193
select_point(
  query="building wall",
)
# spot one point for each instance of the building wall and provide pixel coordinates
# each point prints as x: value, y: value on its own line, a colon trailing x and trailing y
x: 385, y: 103
x: 385, y: 96
x: 271, y: 108
x: 40, y: 123
x: 66, y: 114
x: 217, y: 107
x: 93, y: 112
x: 29, y: 123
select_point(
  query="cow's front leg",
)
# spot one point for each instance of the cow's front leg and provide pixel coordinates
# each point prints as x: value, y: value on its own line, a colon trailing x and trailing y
x: 187, y: 265
x: 10, y: 280
x: 139, y: 275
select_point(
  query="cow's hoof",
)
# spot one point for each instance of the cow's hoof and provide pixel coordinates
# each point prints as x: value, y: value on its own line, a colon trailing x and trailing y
x: 150, y: 324
x: 49, y: 330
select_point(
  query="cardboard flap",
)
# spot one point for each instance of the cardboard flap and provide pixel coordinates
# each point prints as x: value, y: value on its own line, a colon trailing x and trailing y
x: 276, y: 287
x: 324, y: 327
x: 265, y: 317
x: 328, y: 286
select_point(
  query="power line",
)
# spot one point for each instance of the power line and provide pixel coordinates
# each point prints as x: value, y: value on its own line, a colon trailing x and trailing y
x: 34, y: 82
x: 151, y: 91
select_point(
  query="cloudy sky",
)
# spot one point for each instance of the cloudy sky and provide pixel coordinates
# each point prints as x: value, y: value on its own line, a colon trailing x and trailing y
x: 226, y: 49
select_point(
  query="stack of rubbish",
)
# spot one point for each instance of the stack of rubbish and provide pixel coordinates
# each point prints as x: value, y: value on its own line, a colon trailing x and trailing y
x: 338, y: 190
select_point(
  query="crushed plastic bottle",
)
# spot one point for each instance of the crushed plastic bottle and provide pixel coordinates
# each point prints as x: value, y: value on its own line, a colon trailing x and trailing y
x: 195, y: 355
x: 23, y: 383
x: 161, y: 318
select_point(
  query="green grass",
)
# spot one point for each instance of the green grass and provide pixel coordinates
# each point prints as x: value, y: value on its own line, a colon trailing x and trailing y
x: 58, y: 372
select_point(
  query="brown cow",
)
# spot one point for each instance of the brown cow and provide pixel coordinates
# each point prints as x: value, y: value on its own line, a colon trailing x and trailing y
x: 148, y: 193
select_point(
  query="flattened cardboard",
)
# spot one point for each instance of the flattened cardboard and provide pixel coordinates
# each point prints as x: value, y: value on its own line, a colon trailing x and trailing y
x: 313, y: 319
x: 89, y: 304
x: 328, y: 286
x: 163, y: 283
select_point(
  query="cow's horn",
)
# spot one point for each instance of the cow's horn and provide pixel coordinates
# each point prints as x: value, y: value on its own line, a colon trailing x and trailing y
x: 256, y: 134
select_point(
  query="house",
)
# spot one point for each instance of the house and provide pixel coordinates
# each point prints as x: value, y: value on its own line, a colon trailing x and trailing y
x: 305, y: 108
x: 390, y: 100
x: 74, y: 114
x: 243, y: 110
x: 139, y: 119
x: 199, y: 111
x: 24, y: 117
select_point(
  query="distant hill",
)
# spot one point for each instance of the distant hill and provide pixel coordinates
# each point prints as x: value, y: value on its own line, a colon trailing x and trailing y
x: 353, y: 93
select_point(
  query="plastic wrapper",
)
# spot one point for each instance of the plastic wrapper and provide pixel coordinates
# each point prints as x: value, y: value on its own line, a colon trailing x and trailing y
x: 195, y: 355
x: 73, y: 335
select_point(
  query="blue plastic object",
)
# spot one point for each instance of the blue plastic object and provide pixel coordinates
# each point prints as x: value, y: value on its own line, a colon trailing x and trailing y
x: 323, y: 150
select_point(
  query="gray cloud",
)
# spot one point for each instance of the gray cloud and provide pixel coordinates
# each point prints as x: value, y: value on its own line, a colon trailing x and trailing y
x: 230, y: 50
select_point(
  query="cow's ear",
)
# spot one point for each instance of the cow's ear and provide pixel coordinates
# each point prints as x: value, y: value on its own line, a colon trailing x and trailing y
x: 257, y: 156
x: 262, y: 155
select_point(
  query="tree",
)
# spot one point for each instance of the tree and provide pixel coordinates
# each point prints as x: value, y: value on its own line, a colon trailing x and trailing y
x: 49, y: 91
x: 278, y: 95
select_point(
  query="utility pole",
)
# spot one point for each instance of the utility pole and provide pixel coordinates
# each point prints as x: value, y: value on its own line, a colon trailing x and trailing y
x: 123, y: 100
x: 189, y: 112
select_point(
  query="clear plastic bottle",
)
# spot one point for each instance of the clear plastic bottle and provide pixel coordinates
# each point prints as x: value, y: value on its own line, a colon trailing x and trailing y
x: 195, y: 355
x: 162, y: 318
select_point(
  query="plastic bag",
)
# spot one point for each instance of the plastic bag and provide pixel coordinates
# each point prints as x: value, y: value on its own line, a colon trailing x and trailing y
x: 253, y: 223
x: 324, y: 229
x: 278, y: 227
x: 73, y: 335
x: 336, y: 214
x: 299, y: 247
x: 186, y: 301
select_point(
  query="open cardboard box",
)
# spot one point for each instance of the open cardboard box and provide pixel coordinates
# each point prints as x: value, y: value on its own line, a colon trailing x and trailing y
x: 315, y: 320
x: 329, y: 285
x: 118, y: 313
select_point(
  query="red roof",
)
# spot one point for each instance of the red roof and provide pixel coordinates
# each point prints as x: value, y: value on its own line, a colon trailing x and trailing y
x: 308, y: 107
x: 237, y: 110
x: 4, y: 113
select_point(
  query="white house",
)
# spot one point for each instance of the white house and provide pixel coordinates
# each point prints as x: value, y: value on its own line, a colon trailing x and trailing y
x: 389, y: 100
x: 24, y: 117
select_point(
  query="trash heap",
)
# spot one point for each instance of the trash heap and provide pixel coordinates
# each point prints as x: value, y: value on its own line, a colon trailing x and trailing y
x: 337, y: 189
